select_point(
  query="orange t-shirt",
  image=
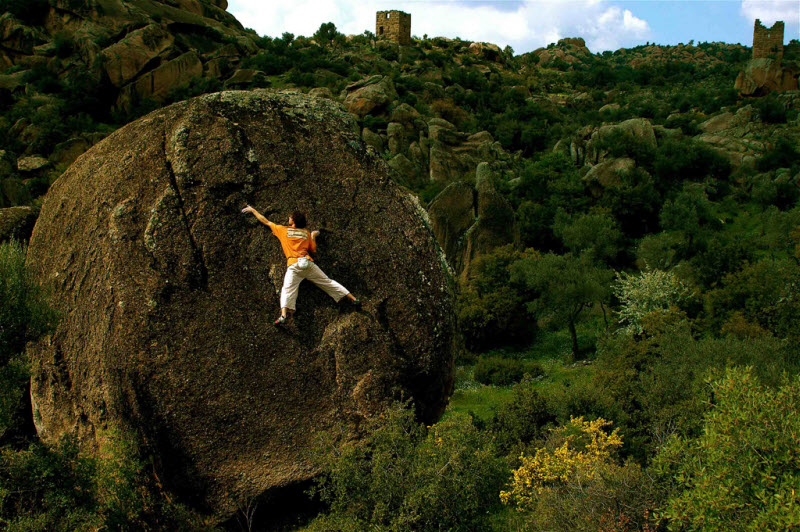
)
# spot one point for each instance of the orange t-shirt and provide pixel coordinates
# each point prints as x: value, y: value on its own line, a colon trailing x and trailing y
x: 295, y: 242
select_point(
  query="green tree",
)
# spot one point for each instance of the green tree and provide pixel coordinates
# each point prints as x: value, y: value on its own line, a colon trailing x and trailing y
x: 594, y: 236
x: 563, y: 286
x: 692, y: 214
x: 327, y: 35
x: 491, y: 311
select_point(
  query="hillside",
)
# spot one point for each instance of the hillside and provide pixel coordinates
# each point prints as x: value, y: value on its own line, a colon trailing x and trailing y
x: 621, y: 231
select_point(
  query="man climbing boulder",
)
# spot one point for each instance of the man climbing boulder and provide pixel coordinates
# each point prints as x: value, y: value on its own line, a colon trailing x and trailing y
x: 164, y: 332
x: 298, y: 244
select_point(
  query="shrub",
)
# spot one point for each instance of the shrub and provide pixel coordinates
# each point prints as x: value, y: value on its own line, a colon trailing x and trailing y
x: 24, y: 313
x: 742, y: 472
x: 58, y: 487
x: 402, y: 475
x: 48, y: 488
x: 771, y: 110
x: 650, y: 291
x: 574, y: 482
x: 63, y: 44
x: 498, y: 371
x: 783, y: 154
x: 525, y: 418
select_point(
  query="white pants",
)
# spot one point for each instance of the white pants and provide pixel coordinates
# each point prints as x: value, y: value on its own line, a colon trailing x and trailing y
x: 294, y: 276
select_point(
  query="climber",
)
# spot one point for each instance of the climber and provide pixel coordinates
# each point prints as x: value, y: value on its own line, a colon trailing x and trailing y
x: 297, y: 244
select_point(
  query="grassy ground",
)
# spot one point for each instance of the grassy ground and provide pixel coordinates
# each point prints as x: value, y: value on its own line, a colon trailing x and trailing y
x: 551, y: 351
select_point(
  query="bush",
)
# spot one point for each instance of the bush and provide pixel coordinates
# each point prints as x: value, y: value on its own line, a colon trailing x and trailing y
x: 491, y: 312
x: 24, y: 313
x: 48, y: 488
x: 742, y: 472
x: 58, y: 487
x: 402, y: 475
x: 498, y: 371
x: 783, y: 154
x: 525, y: 418
x: 575, y: 483
x: 641, y: 295
x: 771, y: 110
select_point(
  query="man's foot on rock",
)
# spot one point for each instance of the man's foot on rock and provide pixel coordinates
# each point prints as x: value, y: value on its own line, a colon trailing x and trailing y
x: 281, y: 321
x: 357, y: 303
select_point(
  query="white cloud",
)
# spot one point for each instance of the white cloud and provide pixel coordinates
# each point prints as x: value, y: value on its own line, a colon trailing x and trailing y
x: 771, y: 10
x: 525, y: 25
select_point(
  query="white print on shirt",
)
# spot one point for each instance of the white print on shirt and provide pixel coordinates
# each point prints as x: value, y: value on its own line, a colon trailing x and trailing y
x: 291, y: 232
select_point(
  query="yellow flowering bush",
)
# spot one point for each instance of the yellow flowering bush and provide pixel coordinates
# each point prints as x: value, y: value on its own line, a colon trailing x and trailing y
x: 585, y: 447
x: 575, y: 483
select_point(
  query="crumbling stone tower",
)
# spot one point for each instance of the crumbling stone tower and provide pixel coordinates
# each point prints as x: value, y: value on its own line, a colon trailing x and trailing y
x: 396, y: 26
x: 768, y: 42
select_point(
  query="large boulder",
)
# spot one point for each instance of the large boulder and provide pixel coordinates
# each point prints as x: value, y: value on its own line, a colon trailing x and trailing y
x: 158, y: 83
x: 167, y: 292
x: 369, y: 96
x: 762, y: 76
x: 124, y: 60
x: 452, y: 213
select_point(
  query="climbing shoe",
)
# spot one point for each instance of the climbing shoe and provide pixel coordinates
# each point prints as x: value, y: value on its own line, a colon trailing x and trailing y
x: 357, y: 303
x: 282, y: 320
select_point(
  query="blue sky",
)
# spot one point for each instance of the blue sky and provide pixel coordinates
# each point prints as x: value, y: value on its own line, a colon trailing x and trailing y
x: 527, y: 25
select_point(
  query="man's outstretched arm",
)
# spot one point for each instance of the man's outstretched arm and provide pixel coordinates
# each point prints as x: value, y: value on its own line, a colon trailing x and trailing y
x: 258, y: 215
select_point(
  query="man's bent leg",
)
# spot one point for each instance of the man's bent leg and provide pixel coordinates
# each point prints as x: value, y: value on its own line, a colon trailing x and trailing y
x: 331, y: 287
x: 291, y: 283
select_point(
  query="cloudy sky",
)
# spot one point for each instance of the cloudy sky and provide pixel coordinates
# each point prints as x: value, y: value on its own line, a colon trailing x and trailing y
x: 527, y: 25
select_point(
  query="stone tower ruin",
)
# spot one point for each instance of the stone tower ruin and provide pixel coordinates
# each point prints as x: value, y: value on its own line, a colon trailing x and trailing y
x: 395, y: 26
x: 768, y: 42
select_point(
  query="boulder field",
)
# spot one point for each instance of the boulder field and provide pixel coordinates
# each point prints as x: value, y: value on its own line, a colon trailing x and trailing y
x: 167, y: 293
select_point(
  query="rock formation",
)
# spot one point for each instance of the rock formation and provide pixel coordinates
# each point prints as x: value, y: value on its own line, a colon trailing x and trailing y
x: 762, y: 76
x: 17, y: 223
x: 167, y: 292
x: 767, y: 72
x: 369, y: 95
x: 469, y: 222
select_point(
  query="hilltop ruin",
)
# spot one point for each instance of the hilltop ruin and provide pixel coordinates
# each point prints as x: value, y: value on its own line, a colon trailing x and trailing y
x: 394, y: 26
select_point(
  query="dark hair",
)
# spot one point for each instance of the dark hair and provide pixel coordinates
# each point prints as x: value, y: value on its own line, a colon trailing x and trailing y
x: 299, y: 219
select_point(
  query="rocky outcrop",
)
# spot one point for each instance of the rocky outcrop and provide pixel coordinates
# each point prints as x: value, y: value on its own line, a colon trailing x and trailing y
x: 372, y: 139
x: 167, y: 291
x: 739, y: 136
x: 32, y: 164
x: 144, y: 48
x: 567, y: 51
x: 454, y: 155
x: 469, y: 222
x: 17, y: 223
x: 369, y: 96
x: 488, y: 51
x: 158, y: 83
x: 123, y: 61
x: 607, y: 174
x: 586, y: 147
x: 762, y: 76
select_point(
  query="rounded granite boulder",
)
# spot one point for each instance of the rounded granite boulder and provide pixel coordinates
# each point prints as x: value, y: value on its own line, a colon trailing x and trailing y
x: 167, y: 292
